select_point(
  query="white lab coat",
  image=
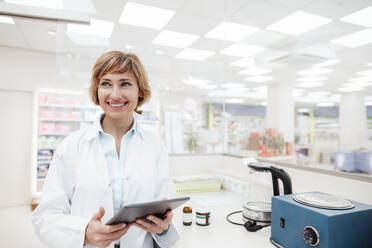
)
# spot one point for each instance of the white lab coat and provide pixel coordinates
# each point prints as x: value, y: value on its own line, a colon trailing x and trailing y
x: 78, y: 183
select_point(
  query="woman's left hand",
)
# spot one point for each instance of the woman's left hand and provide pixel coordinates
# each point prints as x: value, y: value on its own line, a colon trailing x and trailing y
x: 157, y: 226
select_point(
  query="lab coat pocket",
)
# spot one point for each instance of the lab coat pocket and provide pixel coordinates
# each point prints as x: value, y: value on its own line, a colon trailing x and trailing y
x: 139, y: 188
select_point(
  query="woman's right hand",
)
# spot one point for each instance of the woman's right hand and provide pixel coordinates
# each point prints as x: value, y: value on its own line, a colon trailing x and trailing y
x: 101, y: 235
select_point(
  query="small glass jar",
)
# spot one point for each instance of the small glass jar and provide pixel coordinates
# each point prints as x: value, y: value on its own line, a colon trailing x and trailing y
x: 203, y: 217
x: 187, y: 216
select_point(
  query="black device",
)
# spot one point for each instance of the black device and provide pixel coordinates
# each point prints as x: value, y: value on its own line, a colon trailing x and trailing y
x: 276, y: 174
x: 257, y: 215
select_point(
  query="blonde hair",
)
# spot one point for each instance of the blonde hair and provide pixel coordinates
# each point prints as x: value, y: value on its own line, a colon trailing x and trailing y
x: 116, y: 61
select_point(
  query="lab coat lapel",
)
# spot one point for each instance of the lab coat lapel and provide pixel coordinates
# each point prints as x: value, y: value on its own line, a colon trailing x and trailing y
x: 100, y: 161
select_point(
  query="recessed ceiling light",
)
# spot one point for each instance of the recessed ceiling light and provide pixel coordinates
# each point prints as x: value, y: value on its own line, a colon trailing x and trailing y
x: 159, y: 52
x: 356, y: 39
x: 87, y: 40
x: 325, y: 104
x: 361, y: 17
x: 319, y: 93
x: 326, y: 63
x: 360, y: 79
x: 309, y: 85
x: 230, y: 31
x: 194, y: 54
x: 350, y: 89
x: 207, y: 87
x: 357, y: 84
x: 233, y: 85
x: 174, y: 39
x: 145, y: 16
x: 254, y: 71
x: 241, y: 50
x: 6, y: 19
x: 365, y: 73
x: 234, y: 100
x: 99, y: 28
x: 311, y: 79
x: 298, y: 23
x: 259, y: 79
x: 195, y: 81
x: 128, y: 46
x: 245, y: 62
x: 50, y: 4
x: 262, y: 89
x: 315, y: 71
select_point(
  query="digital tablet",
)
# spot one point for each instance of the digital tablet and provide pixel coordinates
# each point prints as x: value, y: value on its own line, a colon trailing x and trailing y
x: 132, y: 212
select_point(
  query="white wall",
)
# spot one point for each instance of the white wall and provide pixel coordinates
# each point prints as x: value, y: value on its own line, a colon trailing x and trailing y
x: 22, y: 69
x: 15, y: 147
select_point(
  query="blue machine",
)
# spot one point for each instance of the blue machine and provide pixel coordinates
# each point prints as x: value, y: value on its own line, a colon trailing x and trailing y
x: 299, y: 225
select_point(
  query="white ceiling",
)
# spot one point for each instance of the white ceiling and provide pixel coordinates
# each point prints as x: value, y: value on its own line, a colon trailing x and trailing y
x: 284, y: 54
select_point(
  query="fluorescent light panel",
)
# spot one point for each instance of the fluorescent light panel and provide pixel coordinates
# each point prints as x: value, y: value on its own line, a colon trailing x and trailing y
x: 194, y: 54
x: 254, y: 71
x: 207, y: 87
x: 233, y: 85
x: 49, y: 4
x: 360, y: 79
x: 298, y: 23
x: 6, y: 19
x: 365, y: 73
x: 195, y: 81
x: 361, y: 17
x: 230, y: 31
x: 241, y: 50
x: 245, y: 62
x: 311, y: 79
x: 98, y: 28
x: 369, y: 64
x: 357, y: 84
x: 319, y: 93
x: 259, y: 79
x: 315, y: 71
x: 351, y: 89
x: 354, y: 40
x: 85, y: 40
x: 174, y: 39
x: 309, y: 85
x: 145, y: 16
x: 326, y: 63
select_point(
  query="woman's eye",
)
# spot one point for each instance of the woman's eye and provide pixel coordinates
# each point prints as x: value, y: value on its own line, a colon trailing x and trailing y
x: 105, y: 84
x: 126, y: 84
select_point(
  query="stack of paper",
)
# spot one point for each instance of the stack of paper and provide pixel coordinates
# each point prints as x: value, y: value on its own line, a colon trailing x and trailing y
x: 196, y: 184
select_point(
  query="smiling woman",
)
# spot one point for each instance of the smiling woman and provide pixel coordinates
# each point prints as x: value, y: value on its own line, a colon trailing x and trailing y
x: 97, y: 170
x: 119, y: 62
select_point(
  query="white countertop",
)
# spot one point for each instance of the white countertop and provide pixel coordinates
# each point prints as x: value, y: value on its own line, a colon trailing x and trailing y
x: 220, y: 233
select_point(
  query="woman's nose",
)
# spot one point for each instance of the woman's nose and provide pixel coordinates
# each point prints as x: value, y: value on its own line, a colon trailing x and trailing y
x: 115, y: 92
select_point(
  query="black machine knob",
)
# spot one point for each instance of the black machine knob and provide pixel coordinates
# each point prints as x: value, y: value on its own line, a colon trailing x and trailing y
x: 310, y: 236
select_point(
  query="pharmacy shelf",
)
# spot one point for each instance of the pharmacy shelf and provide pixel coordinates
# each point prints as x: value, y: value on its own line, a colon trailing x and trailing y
x: 54, y: 134
x: 68, y: 106
x: 63, y: 120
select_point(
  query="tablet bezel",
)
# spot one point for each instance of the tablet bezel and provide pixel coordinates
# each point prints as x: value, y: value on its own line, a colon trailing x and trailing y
x: 132, y: 212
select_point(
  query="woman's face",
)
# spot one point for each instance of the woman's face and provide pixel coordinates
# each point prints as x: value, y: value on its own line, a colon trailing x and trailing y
x: 118, y: 94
